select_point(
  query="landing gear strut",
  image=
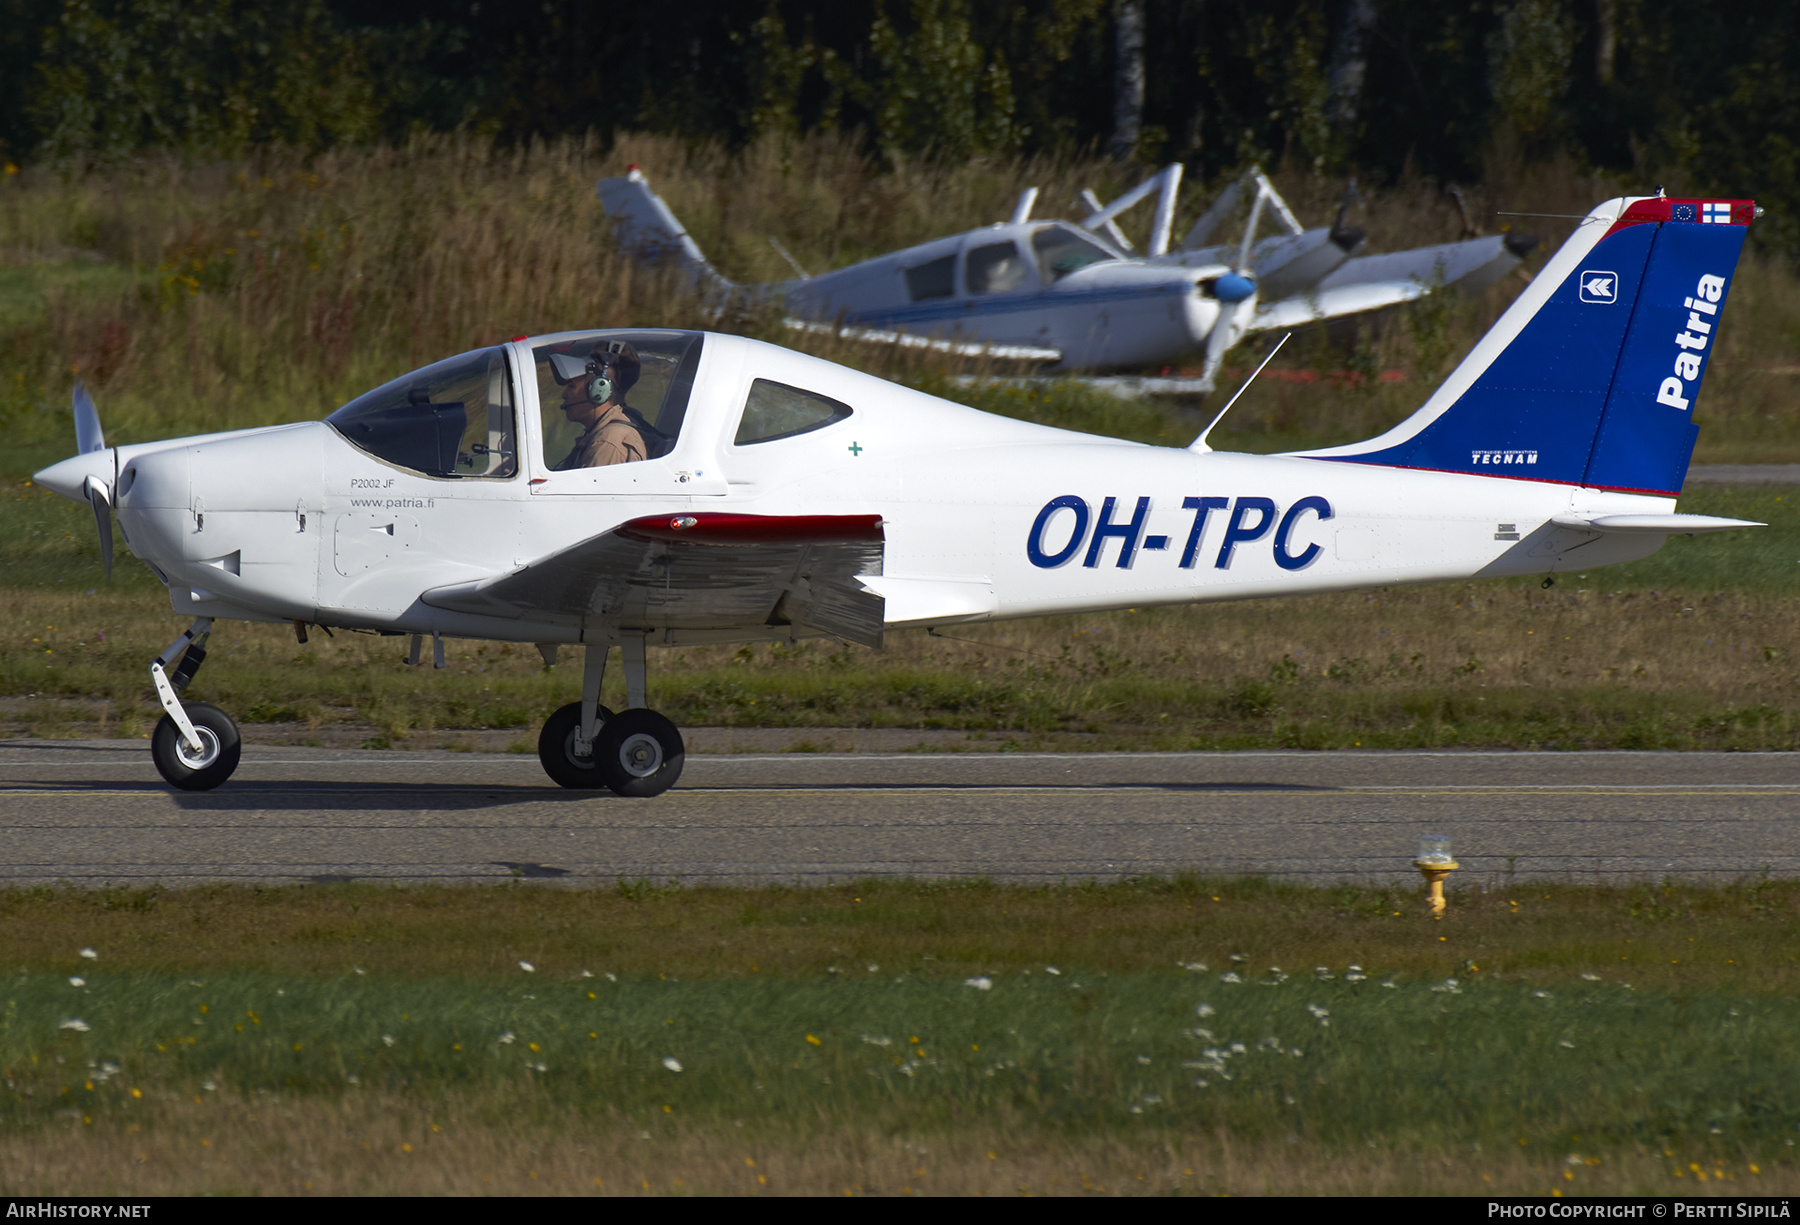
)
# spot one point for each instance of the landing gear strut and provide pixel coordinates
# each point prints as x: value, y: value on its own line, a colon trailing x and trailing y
x: 194, y: 747
x: 635, y: 752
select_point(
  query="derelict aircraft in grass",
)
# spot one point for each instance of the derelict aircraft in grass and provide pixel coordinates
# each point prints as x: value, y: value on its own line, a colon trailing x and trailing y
x: 783, y: 496
x: 1075, y: 297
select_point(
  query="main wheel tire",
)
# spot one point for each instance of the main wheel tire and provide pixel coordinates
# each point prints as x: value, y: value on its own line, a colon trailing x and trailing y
x: 639, y: 752
x: 556, y: 750
x: 217, y: 759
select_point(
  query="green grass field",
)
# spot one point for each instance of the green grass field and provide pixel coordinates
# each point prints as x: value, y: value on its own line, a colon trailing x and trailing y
x: 1187, y: 1036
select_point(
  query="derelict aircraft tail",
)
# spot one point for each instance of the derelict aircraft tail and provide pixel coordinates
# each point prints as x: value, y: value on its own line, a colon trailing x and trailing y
x: 1591, y: 376
x: 644, y: 225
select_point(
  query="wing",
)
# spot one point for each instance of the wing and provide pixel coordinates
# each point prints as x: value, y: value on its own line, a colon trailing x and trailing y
x: 698, y: 572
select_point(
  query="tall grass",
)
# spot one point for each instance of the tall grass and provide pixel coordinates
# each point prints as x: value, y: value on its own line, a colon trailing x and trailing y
x: 207, y: 296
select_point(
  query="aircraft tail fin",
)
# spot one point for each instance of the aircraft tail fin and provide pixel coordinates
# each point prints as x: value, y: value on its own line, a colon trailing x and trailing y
x: 1591, y: 376
x: 646, y: 229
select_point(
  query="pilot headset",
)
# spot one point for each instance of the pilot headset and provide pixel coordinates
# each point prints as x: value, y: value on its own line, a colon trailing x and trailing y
x: 603, y: 369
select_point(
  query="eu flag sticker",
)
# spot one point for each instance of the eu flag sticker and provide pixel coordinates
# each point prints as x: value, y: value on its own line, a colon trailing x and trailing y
x: 1599, y: 287
x: 1682, y: 212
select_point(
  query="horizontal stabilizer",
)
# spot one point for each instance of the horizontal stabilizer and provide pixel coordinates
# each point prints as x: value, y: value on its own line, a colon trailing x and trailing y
x: 1655, y: 525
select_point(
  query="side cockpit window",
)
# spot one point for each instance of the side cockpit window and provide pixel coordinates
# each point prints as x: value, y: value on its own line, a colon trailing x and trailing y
x: 451, y: 419
x: 775, y: 410
x: 1061, y: 249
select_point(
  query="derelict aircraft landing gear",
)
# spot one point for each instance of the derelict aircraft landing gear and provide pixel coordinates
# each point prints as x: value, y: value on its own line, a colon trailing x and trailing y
x: 635, y: 752
x: 584, y: 746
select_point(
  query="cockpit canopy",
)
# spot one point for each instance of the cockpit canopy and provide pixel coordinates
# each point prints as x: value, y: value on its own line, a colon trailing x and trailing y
x: 458, y: 418
x: 453, y: 418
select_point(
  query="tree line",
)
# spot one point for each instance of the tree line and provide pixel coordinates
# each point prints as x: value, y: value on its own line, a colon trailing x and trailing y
x: 1705, y: 93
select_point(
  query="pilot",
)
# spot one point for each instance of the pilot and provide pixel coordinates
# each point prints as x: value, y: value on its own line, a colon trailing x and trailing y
x: 596, y: 399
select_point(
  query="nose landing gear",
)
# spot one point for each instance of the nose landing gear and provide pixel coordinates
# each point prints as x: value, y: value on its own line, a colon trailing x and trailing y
x: 194, y: 747
x: 636, y: 752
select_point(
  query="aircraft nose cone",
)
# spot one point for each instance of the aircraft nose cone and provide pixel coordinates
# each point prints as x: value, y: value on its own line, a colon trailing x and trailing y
x: 69, y: 478
x: 1233, y: 288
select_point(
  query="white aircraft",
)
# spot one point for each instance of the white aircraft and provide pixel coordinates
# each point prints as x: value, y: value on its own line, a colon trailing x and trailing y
x: 1054, y: 292
x: 782, y: 496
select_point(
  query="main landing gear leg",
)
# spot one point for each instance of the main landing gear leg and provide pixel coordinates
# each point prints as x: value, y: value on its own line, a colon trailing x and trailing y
x: 636, y: 752
x: 195, y: 747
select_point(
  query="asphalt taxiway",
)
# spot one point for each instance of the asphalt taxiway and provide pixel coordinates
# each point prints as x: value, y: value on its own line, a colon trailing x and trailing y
x: 94, y: 813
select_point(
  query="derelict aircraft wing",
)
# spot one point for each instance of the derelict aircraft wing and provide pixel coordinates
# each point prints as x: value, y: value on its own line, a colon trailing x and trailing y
x: 766, y: 495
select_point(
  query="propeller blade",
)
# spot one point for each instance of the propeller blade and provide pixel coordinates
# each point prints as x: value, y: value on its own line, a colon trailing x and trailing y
x: 88, y: 436
x: 1234, y: 318
x: 100, y: 498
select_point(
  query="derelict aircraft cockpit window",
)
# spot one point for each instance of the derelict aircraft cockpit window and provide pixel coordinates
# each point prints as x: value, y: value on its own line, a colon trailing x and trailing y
x: 451, y: 419
x: 1062, y: 249
x: 994, y: 268
x: 615, y: 396
x: 936, y: 279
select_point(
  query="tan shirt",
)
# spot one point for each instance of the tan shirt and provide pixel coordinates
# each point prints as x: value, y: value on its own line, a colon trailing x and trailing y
x: 612, y: 439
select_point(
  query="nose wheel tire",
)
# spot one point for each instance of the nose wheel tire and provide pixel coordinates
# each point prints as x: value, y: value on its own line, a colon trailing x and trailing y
x: 639, y: 753
x: 180, y: 765
x: 556, y: 750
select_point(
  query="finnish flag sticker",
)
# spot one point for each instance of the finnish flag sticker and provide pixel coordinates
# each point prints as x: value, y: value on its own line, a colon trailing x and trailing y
x: 1600, y: 287
x: 1717, y: 212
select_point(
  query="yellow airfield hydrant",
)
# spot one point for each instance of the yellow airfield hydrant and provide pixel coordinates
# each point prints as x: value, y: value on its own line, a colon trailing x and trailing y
x: 1434, y: 864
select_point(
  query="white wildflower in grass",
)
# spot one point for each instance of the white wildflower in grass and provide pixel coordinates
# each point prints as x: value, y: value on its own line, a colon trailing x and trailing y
x: 77, y: 982
x: 1323, y: 973
x: 1144, y: 1059
x: 1230, y: 976
x: 877, y: 1040
x: 537, y: 1067
x: 610, y: 977
x: 77, y: 1024
x: 358, y: 969
x: 211, y: 1085
x: 90, y: 954
x: 1297, y: 1053
x: 833, y: 970
x: 1389, y: 981
x: 1271, y: 1043
x: 671, y: 1063
x: 1200, y: 1083
x: 387, y: 1039
x: 984, y: 983
x: 507, y: 1038
x: 1238, y: 1048
x: 1240, y: 958
x: 1197, y: 1032
x: 1193, y: 967
x: 587, y: 973
x: 1449, y: 986
x: 1318, y: 1012
x: 353, y: 1078
x: 1566, y: 1044
x: 1152, y: 1099
x: 1205, y: 1010
x: 1540, y: 995
x: 872, y: 968
x: 1051, y: 970
x: 528, y: 967
x: 1590, y: 978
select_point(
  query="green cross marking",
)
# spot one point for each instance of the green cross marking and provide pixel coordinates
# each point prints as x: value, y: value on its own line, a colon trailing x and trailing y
x: 855, y: 449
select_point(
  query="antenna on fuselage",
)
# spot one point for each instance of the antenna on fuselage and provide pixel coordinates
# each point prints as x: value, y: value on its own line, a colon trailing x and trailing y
x: 1199, y: 444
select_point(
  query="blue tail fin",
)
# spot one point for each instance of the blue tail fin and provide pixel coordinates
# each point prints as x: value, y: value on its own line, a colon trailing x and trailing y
x: 1590, y: 377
